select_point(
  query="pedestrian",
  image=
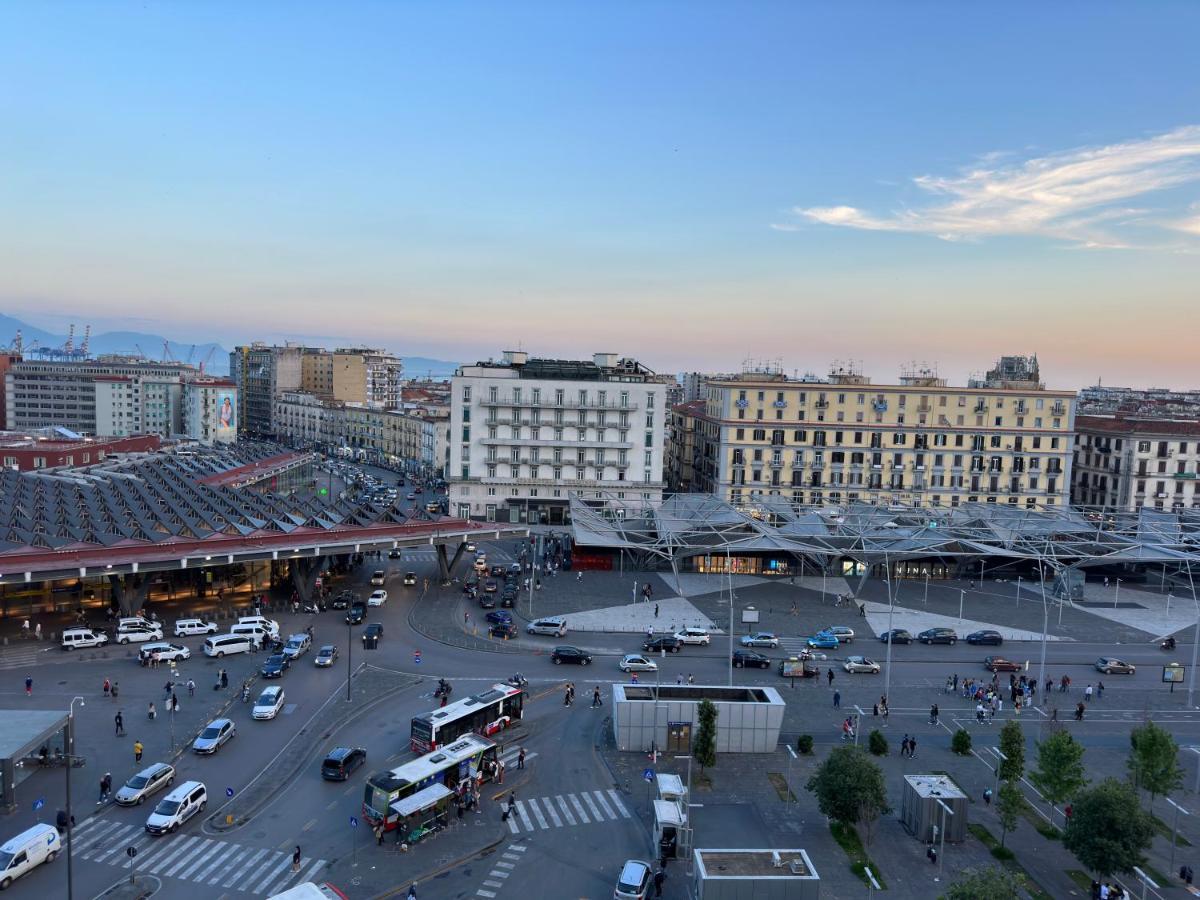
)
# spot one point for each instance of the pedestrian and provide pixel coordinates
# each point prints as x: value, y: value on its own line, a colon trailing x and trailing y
x: 521, y: 758
x: 567, y: 697
x: 1087, y: 694
x: 912, y: 747
x: 904, y: 746
x: 829, y: 677
x: 837, y: 699
x: 679, y: 678
x: 656, y: 610
x: 378, y: 834
x: 499, y: 771
x: 25, y: 628
x: 1079, y: 712
x: 596, y: 697
x: 633, y: 678
x: 224, y: 679
x: 151, y: 713
x: 296, y: 860
x: 691, y: 680
x: 934, y: 714
x: 137, y: 751
x: 987, y: 796
x: 512, y: 802
x: 579, y: 575
x: 174, y: 702
x: 107, y: 687
x: 412, y: 891
x: 467, y: 618
x: 119, y: 720
x: 1054, y: 714
x: 1106, y: 581
x: 1100, y: 690
x: 191, y: 688
x: 28, y: 685
x: 114, y: 690
x: 650, y: 632
x: 37, y: 629
x: 168, y: 689
x: 659, y: 877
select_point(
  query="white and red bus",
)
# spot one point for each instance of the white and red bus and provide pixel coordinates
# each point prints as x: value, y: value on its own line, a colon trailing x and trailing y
x: 485, y: 713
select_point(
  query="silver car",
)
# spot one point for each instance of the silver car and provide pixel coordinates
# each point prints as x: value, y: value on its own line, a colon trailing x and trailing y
x: 861, y: 664
x: 635, y: 662
x: 760, y: 639
x: 145, y: 783
x: 216, y: 733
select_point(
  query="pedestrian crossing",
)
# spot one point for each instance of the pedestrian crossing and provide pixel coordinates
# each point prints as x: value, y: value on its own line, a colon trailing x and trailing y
x: 566, y: 811
x: 510, y: 858
x: 33, y: 653
x: 194, y: 858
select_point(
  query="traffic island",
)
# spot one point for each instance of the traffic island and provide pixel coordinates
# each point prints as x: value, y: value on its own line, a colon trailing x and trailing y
x: 370, y: 687
x: 136, y: 888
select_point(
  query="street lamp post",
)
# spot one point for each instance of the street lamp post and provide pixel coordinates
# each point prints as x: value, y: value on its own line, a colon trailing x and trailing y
x: 858, y: 722
x: 999, y: 757
x: 926, y: 591
x: 887, y: 667
x: 1175, y: 830
x: 1117, y: 595
x: 962, y: 596
x: 688, y: 809
x: 872, y: 883
x: 68, y: 762
x: 942, y: 835
x: 789, y: 774
x: 349, y: 652
x: 1147, y: 881
x: 1018, y: 591
x: 1195, y: 638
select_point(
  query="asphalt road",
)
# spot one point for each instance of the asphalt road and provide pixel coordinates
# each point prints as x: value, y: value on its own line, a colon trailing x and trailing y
x: 569, y: 821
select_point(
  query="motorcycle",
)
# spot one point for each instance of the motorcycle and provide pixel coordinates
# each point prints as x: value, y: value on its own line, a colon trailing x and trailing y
x: 443, y: 689
x: 518, y: 680
x: 1168, y: 644
x: 311, y: 608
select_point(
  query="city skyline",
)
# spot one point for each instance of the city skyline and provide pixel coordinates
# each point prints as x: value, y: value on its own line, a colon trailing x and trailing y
x: 692, y: 190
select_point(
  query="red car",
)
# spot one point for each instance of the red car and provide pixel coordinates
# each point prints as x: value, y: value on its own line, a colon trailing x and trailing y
x: 1000, y: 664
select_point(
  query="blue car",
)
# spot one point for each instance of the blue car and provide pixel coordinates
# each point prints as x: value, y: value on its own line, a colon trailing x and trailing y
x: 823, y: 640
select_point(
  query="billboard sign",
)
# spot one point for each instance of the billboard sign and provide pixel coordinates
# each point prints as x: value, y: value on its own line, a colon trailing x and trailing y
x: 226, y: 416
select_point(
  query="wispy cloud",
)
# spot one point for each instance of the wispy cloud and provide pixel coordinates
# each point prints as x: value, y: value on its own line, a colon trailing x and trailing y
x: 1080, y: 196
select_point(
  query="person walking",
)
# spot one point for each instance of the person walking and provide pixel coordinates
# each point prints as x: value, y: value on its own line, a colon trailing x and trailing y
x: 596, y: 697
x: 659, y: 877
x: 521, y: 758
x: 378, y: 829
x: 37, y: 631
x: 107, y: 687
x: 1100, y: 690
x: 656, y: 610
x: 904, y: 747
x: 934, y: 714
x: 151, y: 713
x: 296, y: 860
x: 28, y: 685
x: 114, y: 690
x: 837, y: 699
x: 567, y: 696
x: 224, y: 679
x: 119, y: 720
x: 191, y: 688
x: 1087, y: 694
x: 829, y: 677
x: 579, y: 575
x: 512, y: 803
x: 137, y: 751
x: 912, y: 747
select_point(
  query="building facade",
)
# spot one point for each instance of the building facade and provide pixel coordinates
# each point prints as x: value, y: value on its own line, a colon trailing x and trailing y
x: 261, y: 373
x: 683, y: 446
x: 367, y: 377
x: 919, y: 442
x: 386, y: 436
x: 29, y: 452
x: 1127, y: 462
x: 525, y: 433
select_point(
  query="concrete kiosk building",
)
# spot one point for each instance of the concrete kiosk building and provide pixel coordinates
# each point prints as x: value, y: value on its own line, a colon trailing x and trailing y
x: 666, y: 717
x: 755, y: 875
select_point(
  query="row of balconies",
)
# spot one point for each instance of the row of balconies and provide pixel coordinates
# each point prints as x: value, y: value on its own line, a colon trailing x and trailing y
x: 566, y: 404
x: 522, y: 442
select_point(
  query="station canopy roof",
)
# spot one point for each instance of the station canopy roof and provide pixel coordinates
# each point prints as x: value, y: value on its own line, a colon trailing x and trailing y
x: 695, y: 524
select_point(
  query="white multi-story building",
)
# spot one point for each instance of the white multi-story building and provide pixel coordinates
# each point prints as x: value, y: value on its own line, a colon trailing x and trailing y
x: 526, y: 433
x: 1127, y: 462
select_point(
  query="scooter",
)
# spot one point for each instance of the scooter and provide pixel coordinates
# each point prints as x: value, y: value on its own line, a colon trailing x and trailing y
x: 518, y: 680
x: 311, y: 608
x: 1168, y: 644
x: 443, y: 689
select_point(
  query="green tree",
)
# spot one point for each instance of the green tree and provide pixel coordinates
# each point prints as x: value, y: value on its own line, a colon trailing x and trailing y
x: 1010, y: 803
x: 705, y: 748
x: 1109, y: 830
x: 877, y: 743
x: 961, y: 742
x: 1059, y: 774
x: 1154, y: 760
x: 849, y: 787
x: 1012, y: 745
x: 992, y: 883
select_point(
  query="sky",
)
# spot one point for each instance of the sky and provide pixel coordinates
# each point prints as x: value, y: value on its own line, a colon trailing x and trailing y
x: 698, y: 185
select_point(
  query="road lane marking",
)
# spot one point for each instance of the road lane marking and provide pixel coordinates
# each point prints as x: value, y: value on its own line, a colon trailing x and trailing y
x: 273, y: 872
x: 537, y: 812
x: 163, y: 859
x: 600, y: 799
x: 592, y: 806
x: 186, y: 859
x: 308, y: 826
x: 311, y: 873
x: 225, y: 861
x: 579, y: 809
x: 562, y: 804
x: 617, y: 802
x: 521, y: 848
x: 553, y: 814
x: 237, y: 876
x: 282, y: 884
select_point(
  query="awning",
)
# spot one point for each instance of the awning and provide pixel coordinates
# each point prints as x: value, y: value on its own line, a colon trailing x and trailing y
x: 421, y: 800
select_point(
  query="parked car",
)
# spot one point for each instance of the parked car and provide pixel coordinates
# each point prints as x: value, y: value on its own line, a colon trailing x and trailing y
x: 987, y: 636
x: 667, y: 642
x: 861, y: 664
x: 275, y: 666
x: 372, y: 634
x: 188, y: 627
x: 377, y: 598
x: 1110, y: 665
x: 165, y: 651
x: 634, y: 662
x: 1000, y: 664
x: 214, y: 736
x: 634, y: 881
x: 297, y: 645
x: 131, y: 633
x: 269, y: 703
x: 824, y: 640
x: 938, y: 636
x: 751, y: 659
x: 146, y: 782
x: 896, y: 636
x: 410, y: 578
x: 844, y: 634
x: 326, y: 656
x: 760, y: 639
x: 565, y: 654
x: 694, y: 636
x: 341, y: 762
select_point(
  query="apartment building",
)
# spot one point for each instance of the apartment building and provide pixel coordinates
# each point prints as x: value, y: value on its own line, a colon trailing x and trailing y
x: 1126, y: 462
x: 683, y: 446
x: 918, y: 442
x: 526, y: 432
x: 368, y: 377
x: 261, y: 373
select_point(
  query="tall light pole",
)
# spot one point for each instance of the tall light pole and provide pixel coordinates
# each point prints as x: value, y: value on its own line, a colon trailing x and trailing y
x: 1175, y: 830
x: 349, y: 651
x: 1117, y: 595
x: 69, y: 762
x: 942, y: 851
x: 688, y: 809
x: 887, y: 666
x: 962, y: 596
x: 1195, y: 638
x: 792, y: 752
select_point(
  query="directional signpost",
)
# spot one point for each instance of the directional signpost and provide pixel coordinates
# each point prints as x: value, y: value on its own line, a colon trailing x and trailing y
x: 648, y: 775
x: 131, y: 852
x: 228, y: 792
x: 354, y: 825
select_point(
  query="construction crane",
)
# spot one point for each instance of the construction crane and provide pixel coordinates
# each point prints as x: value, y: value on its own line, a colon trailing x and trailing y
x: 207, y: 358
x: 166, y: 354
x: 84, y: 348
x: 17, y: 345
x: 68, y: 348
x: 191, y: 353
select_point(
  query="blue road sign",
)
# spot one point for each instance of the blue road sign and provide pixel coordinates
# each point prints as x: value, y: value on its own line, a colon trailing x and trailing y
x: 353, y: 821
x: 648, y: 774
x: 39, y: 803
x: 417, y: 657
x: 228, y: 792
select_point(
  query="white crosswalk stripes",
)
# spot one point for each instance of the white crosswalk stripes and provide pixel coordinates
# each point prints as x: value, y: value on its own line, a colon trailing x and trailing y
x: 504, y: 868
x: 195, y: 858
x: 566, y: 811
x: 510, y: 754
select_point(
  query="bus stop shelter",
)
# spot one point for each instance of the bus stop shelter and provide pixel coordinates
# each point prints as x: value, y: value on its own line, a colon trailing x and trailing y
x: 25, y: 732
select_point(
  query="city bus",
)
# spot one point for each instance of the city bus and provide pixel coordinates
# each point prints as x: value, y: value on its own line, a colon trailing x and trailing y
x: 421, y: 784
x: 485, y: 713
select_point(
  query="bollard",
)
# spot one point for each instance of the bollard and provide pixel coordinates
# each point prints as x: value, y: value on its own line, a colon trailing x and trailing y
x: 228, y: 818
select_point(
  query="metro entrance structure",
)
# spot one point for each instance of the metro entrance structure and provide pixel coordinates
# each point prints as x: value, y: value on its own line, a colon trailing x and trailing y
x: 127, y: 522
x: 769, y: 535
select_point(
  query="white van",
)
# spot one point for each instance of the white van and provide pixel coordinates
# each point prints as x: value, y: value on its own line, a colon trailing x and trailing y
x: 220, y: 645
x: 135, y: 621
x: 552, y: 625
x: 256, y: 633
x: 185, y: 627
x: 26, y: 851
x: 177, y: 807
x: 263, y: 622
x: 83, y: 637
x: 139, y: 633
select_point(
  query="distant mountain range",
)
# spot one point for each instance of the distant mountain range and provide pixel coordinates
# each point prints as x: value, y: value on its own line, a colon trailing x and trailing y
x: 151, y: 345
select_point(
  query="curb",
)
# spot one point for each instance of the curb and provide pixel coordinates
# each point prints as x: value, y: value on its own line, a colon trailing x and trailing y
x: 441, y: 870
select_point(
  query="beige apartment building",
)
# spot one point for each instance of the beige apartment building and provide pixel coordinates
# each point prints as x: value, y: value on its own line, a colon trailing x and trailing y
x: 918, y: 442
x: 1126, y: 462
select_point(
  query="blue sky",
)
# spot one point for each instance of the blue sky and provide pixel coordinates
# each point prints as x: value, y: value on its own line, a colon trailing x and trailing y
x: 694, y: 184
